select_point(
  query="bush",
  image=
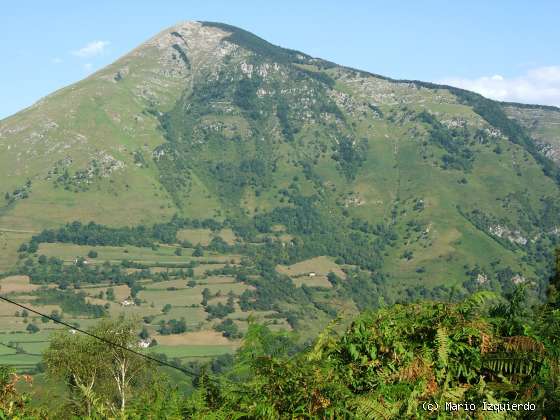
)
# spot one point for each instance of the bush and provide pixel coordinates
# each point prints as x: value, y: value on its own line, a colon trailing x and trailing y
x: 92, y: 254
x: 229, y: 329
x: 32, y: 328
x: 173, y: 327
x: 198, y: 251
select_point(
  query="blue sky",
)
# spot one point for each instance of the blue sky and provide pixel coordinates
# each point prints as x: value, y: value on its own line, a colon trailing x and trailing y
x: 508, y: 50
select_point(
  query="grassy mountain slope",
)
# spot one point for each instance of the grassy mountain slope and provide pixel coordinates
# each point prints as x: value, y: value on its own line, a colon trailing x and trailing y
x: 424, y: 184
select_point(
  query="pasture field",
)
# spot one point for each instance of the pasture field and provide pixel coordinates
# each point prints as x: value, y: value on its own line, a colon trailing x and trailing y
x: 318, y: 265
x: 195, y: 236
x: 187, y: 352
x: 312, y: 272
x: 20, y: 361
x: 228, y: 236
x: 165, y: 285
x: 316, y: 281
x: 6, y: 351
x: 10, y: 240
x: 217, y: 280
x: 162, y: 294
x: 14, y: 284
x: 184, y: 297
x: 68, y: 252
x: 34, y: 347
x: 163, y: 254
x: 204, y: 236
x: 195, y: 338
x: 8, y: 310
x: 193, y: 316
x: 121, y: 291
x: 201, y: 269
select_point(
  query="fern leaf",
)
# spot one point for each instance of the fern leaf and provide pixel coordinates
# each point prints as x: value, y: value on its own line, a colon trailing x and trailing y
x: 442, y: 346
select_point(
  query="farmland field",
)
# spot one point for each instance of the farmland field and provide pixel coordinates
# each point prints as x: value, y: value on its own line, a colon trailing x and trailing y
x: 187, y: 352
x: 168, y: 286
x: 319, y: 265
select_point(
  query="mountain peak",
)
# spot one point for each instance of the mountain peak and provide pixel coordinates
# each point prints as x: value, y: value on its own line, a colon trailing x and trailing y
x: 190, y: 33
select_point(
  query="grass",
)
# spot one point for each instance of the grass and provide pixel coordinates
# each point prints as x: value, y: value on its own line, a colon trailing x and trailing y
x: 120, y: 202
x: 317, y: 281
x: 6, y: 351
x: 228, y: 236
x: 321, y: 266
x: 201, y: 269
x: 182, y: 352
x: 20, y: 361
x: 217, y: 280
x: 163, y: 297
x: 193, y: 316
x: 204, y: 236
x: 224, y: 289
x: 68, y: 252
x: 9, y: 243
x: 35, y: 347
x: 121, y: 291
x: 163, y: 285
x: 14, y: 284
x: 195, y: 236
x: 187, y: 296
x: 8, y: 310
x: 24, y: 336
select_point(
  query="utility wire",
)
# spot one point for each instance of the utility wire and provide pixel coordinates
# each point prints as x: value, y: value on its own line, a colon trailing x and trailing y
x: 145, y: 356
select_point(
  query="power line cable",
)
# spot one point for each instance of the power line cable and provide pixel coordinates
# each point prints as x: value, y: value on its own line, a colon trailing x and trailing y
x: 145, y: 356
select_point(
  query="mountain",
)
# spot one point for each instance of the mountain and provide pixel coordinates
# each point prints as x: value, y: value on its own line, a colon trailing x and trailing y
x: 542, y: 123
x: 418, y: 187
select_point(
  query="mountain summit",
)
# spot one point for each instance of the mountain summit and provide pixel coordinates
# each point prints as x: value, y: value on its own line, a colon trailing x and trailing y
x: 425, y: 184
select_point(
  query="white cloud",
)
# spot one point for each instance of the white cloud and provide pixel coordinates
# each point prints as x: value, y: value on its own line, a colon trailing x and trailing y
x: 88, y: 67
x: 92, y: 49
x: 56, y: 60
x: 540, y: 85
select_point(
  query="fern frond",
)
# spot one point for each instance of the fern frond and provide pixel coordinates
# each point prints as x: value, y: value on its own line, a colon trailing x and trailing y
x: 454, y: 394
x: 417, y: 369
x: 372, y: 407
x: 324, y: 341
x: 508, y: 364
x: 523, y: 344
x: 442, y: 346
x: 98, y: 409
x: 475, y: 301
x: 485, y: 343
